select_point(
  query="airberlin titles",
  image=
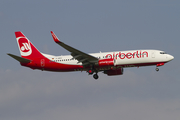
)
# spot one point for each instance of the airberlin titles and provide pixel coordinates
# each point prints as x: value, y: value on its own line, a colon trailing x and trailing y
x: 129, y: 55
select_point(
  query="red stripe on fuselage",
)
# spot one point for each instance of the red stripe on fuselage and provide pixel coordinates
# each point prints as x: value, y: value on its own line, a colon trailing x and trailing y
x: 51, y: 65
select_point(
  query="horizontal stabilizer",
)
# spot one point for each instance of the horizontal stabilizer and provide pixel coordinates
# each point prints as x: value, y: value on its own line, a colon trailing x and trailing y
x: 20, y: 59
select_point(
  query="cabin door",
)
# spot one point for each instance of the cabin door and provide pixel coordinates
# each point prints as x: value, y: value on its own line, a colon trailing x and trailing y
x: 153, y: 55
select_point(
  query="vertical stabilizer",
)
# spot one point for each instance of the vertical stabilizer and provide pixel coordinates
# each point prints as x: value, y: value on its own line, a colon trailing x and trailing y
x: 26, y: 48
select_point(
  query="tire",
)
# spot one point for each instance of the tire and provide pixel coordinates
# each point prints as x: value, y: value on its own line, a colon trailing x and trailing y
x: 95, y: 76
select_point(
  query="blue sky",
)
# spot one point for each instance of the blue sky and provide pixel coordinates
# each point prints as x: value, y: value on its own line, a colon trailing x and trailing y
x: 90, y: 26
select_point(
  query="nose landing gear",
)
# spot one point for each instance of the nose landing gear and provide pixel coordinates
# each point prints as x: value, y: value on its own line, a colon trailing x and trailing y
x: 157, y: 69
x: 160, y: 64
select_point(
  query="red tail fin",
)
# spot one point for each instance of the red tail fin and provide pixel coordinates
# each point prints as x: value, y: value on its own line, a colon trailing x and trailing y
x: 26, y: 48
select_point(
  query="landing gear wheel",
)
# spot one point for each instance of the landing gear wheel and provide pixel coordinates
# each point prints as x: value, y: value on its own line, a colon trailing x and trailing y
x: 95, y: 76
x: 157, y: 69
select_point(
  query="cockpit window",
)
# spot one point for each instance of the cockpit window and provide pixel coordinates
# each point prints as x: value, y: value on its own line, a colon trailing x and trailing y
x: 163, y: 53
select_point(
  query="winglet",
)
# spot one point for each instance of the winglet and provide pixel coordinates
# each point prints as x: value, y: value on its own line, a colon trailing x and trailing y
x: 55, y: 37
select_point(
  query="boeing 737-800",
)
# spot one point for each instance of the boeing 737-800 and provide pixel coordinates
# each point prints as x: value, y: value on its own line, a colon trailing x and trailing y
x: 110, y: 63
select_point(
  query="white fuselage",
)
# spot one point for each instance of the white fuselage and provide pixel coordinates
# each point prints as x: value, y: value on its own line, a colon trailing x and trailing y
x: 131, y: 58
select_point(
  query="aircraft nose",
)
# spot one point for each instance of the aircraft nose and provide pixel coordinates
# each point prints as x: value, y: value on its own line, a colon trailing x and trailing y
x: 170, y: 57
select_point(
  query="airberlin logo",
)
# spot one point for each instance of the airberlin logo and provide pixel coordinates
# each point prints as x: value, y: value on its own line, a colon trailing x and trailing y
x: 24, y: 45
x: 129, y: 55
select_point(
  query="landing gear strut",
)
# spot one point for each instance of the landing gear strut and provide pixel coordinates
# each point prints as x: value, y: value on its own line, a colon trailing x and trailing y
x: 91, y: 71
x: 95, y: 76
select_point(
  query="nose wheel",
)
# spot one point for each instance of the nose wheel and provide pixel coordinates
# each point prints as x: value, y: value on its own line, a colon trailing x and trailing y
x: 95, y: 76
x: 157, y: 69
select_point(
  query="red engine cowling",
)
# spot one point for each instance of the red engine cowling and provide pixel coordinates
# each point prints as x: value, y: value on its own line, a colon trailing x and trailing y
x: 106, y: 62
x: 112, y: 72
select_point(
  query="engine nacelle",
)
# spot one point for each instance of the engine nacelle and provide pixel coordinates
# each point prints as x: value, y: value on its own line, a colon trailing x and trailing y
x: 106, y: 62
x: 112, y: 72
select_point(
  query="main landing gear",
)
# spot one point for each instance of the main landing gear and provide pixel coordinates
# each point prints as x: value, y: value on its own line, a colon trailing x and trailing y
x: 95, y: 76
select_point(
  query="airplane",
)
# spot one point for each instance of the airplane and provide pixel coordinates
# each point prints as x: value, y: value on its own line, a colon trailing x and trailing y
x: 110, y: 63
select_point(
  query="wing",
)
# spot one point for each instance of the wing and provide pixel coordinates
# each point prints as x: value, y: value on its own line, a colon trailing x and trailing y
x: 86, y: 59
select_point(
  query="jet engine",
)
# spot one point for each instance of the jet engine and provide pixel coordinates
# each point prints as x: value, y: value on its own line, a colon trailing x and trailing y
x: 106, y: 62
x: 112, y: 72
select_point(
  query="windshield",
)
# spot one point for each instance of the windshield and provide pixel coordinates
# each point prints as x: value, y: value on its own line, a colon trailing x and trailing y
x: 163, y: 53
